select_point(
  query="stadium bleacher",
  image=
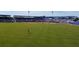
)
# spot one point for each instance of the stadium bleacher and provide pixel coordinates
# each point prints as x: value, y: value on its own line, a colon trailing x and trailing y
x: 22, y: 18
x: 5, y: 18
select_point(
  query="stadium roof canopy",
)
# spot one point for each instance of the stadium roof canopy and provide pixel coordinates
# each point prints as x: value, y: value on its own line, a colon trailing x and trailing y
x: 5, y: 15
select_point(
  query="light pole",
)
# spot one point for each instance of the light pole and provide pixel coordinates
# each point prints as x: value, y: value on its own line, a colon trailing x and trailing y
x: 28, y: 13
x: 52, y: 14
x: 29, y: 29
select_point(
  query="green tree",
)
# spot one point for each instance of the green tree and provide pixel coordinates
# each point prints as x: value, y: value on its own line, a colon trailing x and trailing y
x: 76, y: 19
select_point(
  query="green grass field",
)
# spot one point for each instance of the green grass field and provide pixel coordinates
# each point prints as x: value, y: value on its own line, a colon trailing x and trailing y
x: 39, y: 35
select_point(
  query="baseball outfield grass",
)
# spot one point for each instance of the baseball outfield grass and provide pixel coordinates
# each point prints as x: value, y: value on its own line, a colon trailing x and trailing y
x: 38, y: 35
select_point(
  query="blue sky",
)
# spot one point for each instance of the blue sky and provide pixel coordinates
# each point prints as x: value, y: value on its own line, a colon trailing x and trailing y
x: 42, y: 13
